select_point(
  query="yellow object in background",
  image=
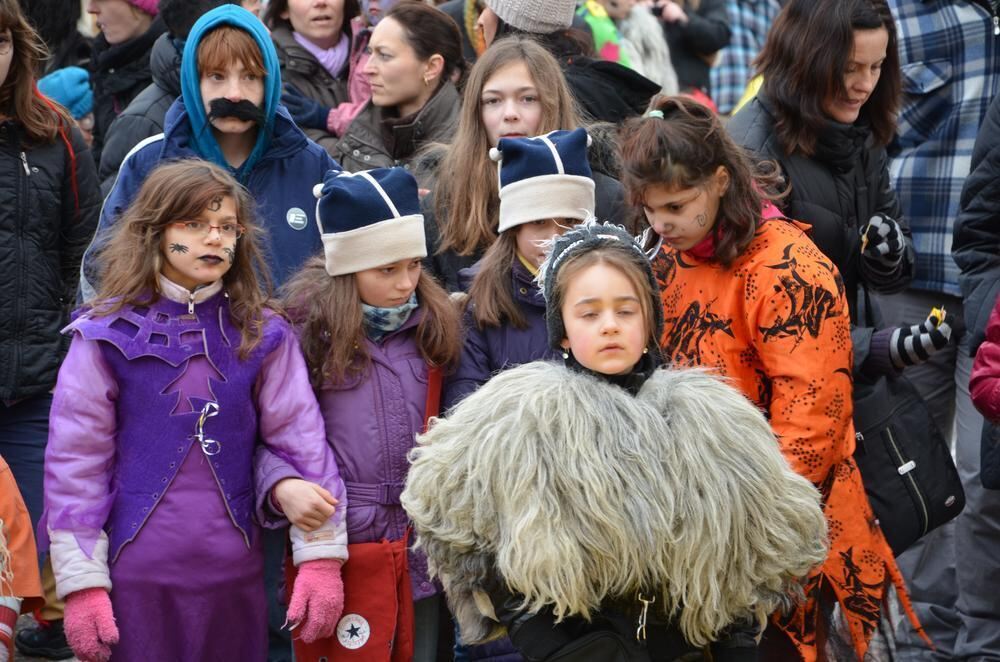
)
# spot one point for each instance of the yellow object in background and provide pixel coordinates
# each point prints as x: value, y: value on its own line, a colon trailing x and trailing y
x: 938, y: 314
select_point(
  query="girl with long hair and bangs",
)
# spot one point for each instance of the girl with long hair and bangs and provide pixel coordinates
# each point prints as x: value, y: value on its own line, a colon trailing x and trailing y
x: 515, y: 89
x: 377, y: 333
x: 546, y: 188
x: 49, y: 205
x: 746, y: 293
x: 177, y: 378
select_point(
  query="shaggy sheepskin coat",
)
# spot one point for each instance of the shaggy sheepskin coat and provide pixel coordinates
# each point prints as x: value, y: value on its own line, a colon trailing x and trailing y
x: 576, y: 493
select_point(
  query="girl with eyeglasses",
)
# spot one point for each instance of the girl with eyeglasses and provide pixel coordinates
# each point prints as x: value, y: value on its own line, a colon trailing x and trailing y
x: 178, y: 375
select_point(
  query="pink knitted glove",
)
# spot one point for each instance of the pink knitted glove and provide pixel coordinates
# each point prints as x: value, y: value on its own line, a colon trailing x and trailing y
x: 317, y: 599
x: 90, y: 624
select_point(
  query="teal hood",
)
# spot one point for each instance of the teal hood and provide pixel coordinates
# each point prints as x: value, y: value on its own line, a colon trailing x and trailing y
x: 204, y: 142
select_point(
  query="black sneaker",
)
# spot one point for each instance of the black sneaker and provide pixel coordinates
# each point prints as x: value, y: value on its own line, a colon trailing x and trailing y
x: 44, y: 640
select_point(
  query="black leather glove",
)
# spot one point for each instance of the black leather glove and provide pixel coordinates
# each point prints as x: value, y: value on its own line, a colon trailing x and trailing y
x: 882, y: 241
x: 307, y: 113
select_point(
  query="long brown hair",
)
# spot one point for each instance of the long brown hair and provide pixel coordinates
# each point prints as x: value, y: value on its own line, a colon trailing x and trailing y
x: 803, y: 63
x: 132, y: 259
x: 491, y: 295
x: 467, y: 196
x: 327, y: 311
x: 41, y: 118
x: 684, y: 150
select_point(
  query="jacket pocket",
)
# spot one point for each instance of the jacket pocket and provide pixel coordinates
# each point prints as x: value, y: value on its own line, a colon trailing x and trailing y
x: 926, y: 77
x: 359, y: 518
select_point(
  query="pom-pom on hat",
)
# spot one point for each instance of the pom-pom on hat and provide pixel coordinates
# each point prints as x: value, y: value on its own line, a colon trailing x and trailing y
x: 370, y: 218
x: 536, y: 16
x: 582, y: 239
x: 544, y: 177
x: 70, y: 87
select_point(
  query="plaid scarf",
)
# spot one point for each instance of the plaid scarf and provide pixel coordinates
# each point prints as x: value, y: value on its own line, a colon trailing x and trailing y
x: 380, y: 322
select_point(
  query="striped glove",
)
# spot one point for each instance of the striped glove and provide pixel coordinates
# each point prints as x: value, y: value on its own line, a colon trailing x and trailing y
x: 882, y: 241
x: 915, y: 344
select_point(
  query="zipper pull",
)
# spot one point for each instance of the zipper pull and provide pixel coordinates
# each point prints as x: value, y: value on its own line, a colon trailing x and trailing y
x: 24, y: 162
x: 191, y: 303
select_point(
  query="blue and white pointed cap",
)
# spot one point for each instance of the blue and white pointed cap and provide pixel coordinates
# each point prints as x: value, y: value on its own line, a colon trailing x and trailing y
x: 368, y: 219
x: 544, y: 177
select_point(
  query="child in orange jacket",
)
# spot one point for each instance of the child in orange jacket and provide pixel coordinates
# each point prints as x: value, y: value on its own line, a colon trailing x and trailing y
x: 20, y: 586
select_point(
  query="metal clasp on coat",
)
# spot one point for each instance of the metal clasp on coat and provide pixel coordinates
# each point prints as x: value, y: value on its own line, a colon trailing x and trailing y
x: 640, y: 632
x: 208, y: 446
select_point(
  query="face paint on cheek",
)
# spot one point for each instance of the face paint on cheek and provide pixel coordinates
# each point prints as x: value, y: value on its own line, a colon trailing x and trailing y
x: 230, y: 253
x: 178, y: 248
x: 701, y: 220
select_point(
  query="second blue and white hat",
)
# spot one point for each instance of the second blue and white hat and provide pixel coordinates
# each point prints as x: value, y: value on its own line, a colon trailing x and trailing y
x: 368, y: 219
x: 544, y: 177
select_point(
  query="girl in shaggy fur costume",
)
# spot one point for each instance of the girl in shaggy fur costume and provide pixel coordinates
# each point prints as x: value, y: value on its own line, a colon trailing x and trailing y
x: 607, y: 509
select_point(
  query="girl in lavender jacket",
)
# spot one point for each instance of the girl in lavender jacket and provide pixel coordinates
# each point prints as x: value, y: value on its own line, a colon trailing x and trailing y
x: 371, y: 323
x: 176, y: 376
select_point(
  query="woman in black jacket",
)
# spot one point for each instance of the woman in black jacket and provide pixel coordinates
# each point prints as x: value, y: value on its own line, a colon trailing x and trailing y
x: 825, y: 114
x: 120, y: 60
x: 48, y: 210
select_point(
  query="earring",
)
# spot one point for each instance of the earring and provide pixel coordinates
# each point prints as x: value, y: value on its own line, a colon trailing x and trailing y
x: 645, y: 350
x: 565, y: 355
x: 426, y: 82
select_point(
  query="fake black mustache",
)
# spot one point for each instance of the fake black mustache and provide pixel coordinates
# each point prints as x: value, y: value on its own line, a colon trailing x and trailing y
x: 241, y: 110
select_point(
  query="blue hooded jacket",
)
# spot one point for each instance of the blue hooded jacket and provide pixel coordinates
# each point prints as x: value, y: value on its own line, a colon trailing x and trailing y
x: 280, y: 172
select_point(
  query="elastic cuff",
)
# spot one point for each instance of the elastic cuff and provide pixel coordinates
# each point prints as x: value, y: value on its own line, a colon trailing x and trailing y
x: 879, y: 362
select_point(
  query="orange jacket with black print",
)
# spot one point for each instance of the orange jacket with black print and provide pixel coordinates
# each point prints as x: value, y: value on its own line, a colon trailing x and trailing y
x: 776, y: 323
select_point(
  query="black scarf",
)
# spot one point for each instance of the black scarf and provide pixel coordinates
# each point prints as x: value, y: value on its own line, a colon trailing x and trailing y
x: 631, y: 381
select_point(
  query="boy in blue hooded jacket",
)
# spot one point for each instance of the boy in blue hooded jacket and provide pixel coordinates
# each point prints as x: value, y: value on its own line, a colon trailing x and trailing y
x: 229, y: 113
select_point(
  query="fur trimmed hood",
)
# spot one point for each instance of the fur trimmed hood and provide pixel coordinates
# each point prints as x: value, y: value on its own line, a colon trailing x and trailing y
x: 573, y: 492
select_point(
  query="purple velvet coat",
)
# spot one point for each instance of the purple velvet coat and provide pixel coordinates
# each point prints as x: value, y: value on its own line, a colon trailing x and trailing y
x: 372, y: 420
x: 488, y: 351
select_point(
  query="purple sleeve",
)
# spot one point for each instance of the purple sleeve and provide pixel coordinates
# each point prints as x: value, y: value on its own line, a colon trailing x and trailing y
x: 80, y: 456
x: 292, y: 430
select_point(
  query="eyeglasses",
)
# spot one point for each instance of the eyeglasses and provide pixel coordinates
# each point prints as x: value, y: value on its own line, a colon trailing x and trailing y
x: 202, y: 229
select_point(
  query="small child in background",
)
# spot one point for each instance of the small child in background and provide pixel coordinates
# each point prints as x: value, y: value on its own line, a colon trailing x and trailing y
x: 176, y: 376
x: 70, y: 87
x: 546, y: 187
x: 374, y: 329
x: 20, y: 586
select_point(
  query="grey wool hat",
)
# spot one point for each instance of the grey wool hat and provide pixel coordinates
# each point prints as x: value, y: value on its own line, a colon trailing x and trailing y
x: 536, y: 16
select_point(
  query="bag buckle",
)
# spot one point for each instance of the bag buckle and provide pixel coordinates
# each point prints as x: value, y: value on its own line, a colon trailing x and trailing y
x: 640, y: 632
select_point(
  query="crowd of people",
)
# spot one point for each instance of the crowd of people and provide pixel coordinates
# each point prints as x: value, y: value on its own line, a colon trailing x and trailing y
x: 624, y: 330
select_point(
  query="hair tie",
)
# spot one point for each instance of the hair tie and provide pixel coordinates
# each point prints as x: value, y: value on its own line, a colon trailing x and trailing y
x: 654, y: 113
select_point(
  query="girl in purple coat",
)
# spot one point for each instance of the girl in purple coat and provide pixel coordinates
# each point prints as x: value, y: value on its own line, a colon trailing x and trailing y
x: 546, y: 187
x: 176, y: 376
x: 371, y: 325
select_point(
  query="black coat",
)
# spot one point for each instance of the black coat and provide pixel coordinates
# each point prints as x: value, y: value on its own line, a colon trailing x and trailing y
x: 44, y: 230
x: 694, y: 44
x: 976, y: 244
x: 144, y: 116
x: 836, y: 191
x: 118, y: 74
x: 607, y: 91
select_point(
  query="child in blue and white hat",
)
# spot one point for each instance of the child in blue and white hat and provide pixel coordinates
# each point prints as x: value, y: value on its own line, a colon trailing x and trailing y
x: 375, y: 329
x: 545, y: 189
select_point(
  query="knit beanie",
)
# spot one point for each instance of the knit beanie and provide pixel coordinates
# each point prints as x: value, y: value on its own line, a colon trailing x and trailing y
x: 536, y: 16
x: 148, y: 6
x: 368, y: 219
x: 544, y: 177
x: 70, y: 87
x: 579, y: 240
x: 179, y: 15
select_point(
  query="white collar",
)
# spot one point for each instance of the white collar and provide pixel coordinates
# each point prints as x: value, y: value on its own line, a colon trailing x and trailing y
x: 180, y: 294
